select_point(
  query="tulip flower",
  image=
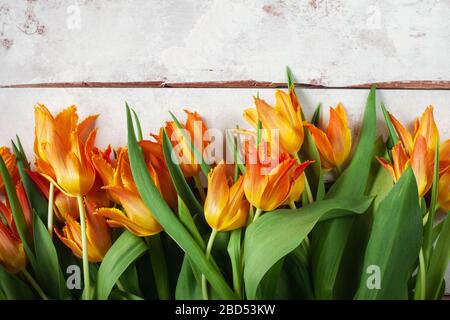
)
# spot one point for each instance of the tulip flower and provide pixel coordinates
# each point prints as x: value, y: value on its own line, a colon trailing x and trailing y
x: 268, y: 181
x: 135, y: 216
x: 10, y: 162
x: 335, y: 144
x: 153, y: 153
x: 421, y: 162
x: 444, y: 176
x: 225, y: 206
x: 63, y: 149
x: 285, y: 117
x: 97, y: 231
x: 12, y: 254
x: 426, y: 128
x: 195, y: 128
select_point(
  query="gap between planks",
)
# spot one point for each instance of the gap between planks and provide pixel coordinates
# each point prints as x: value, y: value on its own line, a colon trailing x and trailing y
x: 242, y: 84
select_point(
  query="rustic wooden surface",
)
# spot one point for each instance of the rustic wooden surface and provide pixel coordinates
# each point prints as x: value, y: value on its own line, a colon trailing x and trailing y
x: 171, y: 54
x: 327, y: 42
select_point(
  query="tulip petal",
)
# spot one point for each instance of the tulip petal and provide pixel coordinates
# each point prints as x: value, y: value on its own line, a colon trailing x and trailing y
x: 422, y: 165
x: 218, y: 195
x: 118, y: 218
x: 388, y: 166
x: 428, y: 129
x: 444, y: 191
x: 444, y: 156
x: 403, y: 134
x: 12, y: 254
x: 324, y: 147
x: 251, y: 116
x: 400, y: 160
x: 339, y: 134
x: 85, y: 127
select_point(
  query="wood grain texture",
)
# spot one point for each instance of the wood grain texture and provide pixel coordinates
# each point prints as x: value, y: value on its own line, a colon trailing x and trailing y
x: 332, y: 43
x: 408, y: 85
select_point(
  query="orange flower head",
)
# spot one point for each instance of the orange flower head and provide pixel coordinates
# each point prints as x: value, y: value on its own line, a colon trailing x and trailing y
x: 195, y: 129
x: 421, y: 161
x: 153, y: 153
x: 426, y: 128
x: 63, y: 149
x: 12, y: 253
x: 284, y: 117
x: 335, y: 144
x: 97, y: 232
x: 444, y: 191
x: 225, y: 206
x: 10, y: 162
x: 269, y: 179
x: 135, y: 216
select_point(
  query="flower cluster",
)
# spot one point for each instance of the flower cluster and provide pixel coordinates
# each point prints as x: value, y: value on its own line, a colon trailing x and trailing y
x: 163, y: 191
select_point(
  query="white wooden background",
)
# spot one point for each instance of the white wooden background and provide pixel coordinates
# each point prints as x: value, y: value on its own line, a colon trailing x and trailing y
x: 212, y: 56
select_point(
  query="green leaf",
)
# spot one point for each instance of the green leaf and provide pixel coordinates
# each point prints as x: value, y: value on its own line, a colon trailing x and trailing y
x: 291, y: 84
x: 439, y: 261
x: 314, y: 172
x: 36, y: 199
x: 16, y: 209
x: 117, y: 294
x: 232, y: 143
x: 125, y: 250
x: 330, y: 238
x: 234, y: 251
x: 159, y: 266
x: 138, y: 126
x: 189, y: 223
x: 48, y: 270
x: 13, y: 287
x: 258, y: 132
x: 197, y: 155
x: 277, y: 233
x: 428, y: 233
x: 393, y: 137
x: 297, y: 268
x: 394, y: 243
x: 130, y: 280
x: 172, y: 226
x: 178, y: 179
x: 315, y: 120
x: 17, y: 212
x: 188, y: 284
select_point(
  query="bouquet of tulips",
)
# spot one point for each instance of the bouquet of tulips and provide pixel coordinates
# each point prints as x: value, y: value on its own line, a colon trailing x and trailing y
x: 292, y: 211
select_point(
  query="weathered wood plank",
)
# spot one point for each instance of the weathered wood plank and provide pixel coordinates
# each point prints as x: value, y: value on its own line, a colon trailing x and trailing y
x: 326, y: 42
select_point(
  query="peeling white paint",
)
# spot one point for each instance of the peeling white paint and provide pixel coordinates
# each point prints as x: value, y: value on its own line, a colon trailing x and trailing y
x: 325, y: 42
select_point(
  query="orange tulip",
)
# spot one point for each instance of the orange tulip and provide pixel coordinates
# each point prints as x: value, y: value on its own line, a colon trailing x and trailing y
x: 444, y: 176
x: 225, y: 206
x: 334, y: 146
x: 426, y: 128
x: 421, y: 162
x: 444, y: 191
x: 195, y: 128
x: 268, y: 182
x: 285, y: 117
x: 136, y: 217
x: 10, y: 162
x: 97, y: 232
x: 63, y: 149
x: 63, y: 204
x: 12, y: 254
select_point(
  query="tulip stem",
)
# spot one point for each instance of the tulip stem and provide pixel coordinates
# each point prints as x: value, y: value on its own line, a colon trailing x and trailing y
x: 51, y: 192
x: 419, y: 294
x: 307, y: 186
x: 209, y: 246
x: 34, y: 284
x: 87, y: 286
x: 199, y: 186
x: 257, y: 214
